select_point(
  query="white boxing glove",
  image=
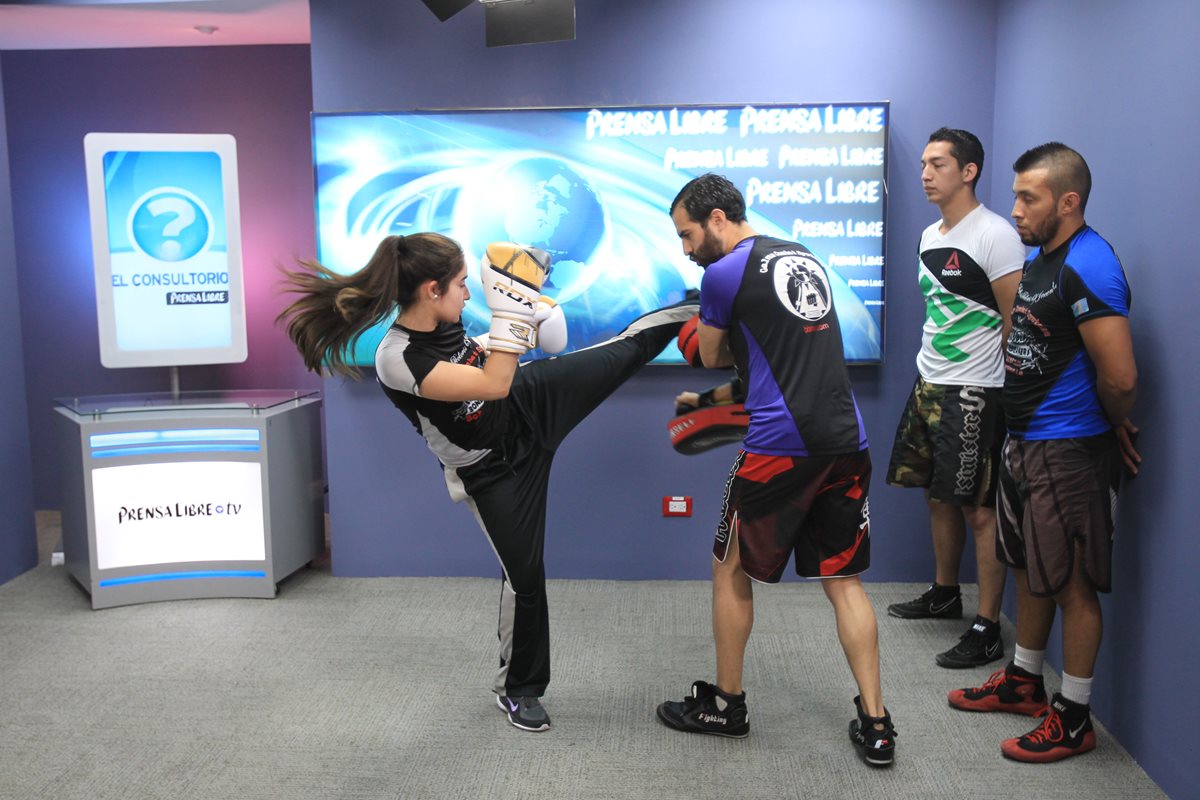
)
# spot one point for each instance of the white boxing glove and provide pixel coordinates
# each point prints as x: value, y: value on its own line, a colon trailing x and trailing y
x: 512, y: 277
x: 551, y: 333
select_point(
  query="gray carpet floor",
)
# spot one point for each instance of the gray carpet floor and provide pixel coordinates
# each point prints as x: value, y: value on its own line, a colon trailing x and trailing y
x: 378, y: 688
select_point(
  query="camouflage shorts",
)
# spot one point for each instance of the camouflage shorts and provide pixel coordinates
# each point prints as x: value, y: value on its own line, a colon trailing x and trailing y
x: 948, y: 442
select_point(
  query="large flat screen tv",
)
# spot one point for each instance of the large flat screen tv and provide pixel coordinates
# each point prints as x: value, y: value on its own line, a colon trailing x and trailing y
x: 593, y: 186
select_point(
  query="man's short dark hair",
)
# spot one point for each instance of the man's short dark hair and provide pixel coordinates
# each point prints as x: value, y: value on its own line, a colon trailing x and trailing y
x: 710, y: 191
x: 964, y: 146
x: 1066, y: 171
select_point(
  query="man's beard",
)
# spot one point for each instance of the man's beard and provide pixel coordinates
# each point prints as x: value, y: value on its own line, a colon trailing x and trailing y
x: 1044, y: 233
x: 709, y: 251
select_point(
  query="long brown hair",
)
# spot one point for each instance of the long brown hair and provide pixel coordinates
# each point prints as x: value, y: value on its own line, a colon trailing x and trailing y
x: 334, y: 310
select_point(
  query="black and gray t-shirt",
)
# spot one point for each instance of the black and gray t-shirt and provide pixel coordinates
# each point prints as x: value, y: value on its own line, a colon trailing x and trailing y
x: 458, y: 433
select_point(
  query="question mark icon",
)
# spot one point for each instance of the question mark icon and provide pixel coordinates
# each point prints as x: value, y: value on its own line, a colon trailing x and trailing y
x: 169, y: 224
x: 185, y: 215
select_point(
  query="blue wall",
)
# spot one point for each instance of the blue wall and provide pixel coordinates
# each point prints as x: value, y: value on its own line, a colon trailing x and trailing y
x: 18, y: 540
x: 388, y: 503
x: 261, y: 95
x: 1118, y: 84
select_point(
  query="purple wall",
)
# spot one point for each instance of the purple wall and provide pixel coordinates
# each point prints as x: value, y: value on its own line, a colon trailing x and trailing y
x: 260, y: 95
x: 1118, y: 84
x: 388, y: 504
x: 18, y: 541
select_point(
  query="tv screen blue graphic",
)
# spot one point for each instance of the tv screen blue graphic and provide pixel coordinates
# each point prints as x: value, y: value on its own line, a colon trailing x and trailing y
x: 167, y: 248
x: 593, y: 186
x: 166, y: 237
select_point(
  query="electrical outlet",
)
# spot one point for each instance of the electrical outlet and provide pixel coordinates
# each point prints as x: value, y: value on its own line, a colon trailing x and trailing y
x: 677, y: 506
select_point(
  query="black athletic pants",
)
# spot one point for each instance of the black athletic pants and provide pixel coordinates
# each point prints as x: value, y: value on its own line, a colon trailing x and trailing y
x: 508, y: 490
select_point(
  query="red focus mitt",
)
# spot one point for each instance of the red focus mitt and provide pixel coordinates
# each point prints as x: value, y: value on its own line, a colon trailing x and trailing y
x: 689, y: 342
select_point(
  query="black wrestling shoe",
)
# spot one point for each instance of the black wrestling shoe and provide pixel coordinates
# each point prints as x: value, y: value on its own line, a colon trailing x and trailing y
x: 525, y: 713
x: 877, y: 745
x: 980, y: 645
x: 708, y: 710
x: 938, y: 602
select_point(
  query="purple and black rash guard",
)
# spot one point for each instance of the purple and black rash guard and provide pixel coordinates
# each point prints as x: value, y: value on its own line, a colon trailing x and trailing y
x: 774, y: 299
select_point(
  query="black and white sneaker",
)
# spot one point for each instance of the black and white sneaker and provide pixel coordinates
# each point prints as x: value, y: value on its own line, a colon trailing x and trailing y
x: 938, y: 602
x: 980, y: 645
x: 876, y: 744
x: 708, y: 710
x: 525, y: 713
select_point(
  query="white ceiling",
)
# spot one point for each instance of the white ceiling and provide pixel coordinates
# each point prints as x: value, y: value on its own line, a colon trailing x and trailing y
x: 101, y: 24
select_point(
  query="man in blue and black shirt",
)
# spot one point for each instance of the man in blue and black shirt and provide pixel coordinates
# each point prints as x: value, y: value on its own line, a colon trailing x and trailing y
x: 1070, y: 383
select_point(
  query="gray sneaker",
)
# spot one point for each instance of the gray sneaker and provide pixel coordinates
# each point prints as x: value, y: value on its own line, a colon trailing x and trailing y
x: 525, y: 713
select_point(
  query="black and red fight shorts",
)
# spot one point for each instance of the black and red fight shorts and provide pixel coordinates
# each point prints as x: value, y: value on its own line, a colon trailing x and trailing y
x: 813, y: 506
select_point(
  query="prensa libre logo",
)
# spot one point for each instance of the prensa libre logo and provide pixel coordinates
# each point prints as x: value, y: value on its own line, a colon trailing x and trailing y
x: 174, y: 510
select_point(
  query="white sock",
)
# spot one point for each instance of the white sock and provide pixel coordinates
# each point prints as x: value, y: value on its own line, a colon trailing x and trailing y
x: 1077, y: 690
x: 1029, y: 660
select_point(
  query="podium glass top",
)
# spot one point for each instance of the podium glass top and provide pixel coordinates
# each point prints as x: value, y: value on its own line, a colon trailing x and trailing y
x: 219, y: 400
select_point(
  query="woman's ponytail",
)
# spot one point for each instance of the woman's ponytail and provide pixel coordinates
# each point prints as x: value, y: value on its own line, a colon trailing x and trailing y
x: 333, y: 310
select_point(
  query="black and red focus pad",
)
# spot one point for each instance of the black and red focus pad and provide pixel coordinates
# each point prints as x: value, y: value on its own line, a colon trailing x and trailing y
x: 697, y: 430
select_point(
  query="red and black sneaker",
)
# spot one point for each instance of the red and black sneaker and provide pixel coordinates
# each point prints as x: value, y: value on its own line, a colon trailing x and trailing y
x: 1011, y: 689
x: 1066, y: 731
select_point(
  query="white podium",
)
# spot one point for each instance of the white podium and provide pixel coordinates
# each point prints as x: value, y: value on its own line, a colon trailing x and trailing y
x: 200, y: 494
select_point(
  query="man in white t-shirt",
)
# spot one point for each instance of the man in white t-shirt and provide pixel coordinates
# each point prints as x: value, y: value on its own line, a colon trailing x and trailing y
x: 949, y: 437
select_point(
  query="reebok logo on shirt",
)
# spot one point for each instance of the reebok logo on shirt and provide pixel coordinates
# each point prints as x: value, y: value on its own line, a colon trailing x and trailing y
x: 951, y: 268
